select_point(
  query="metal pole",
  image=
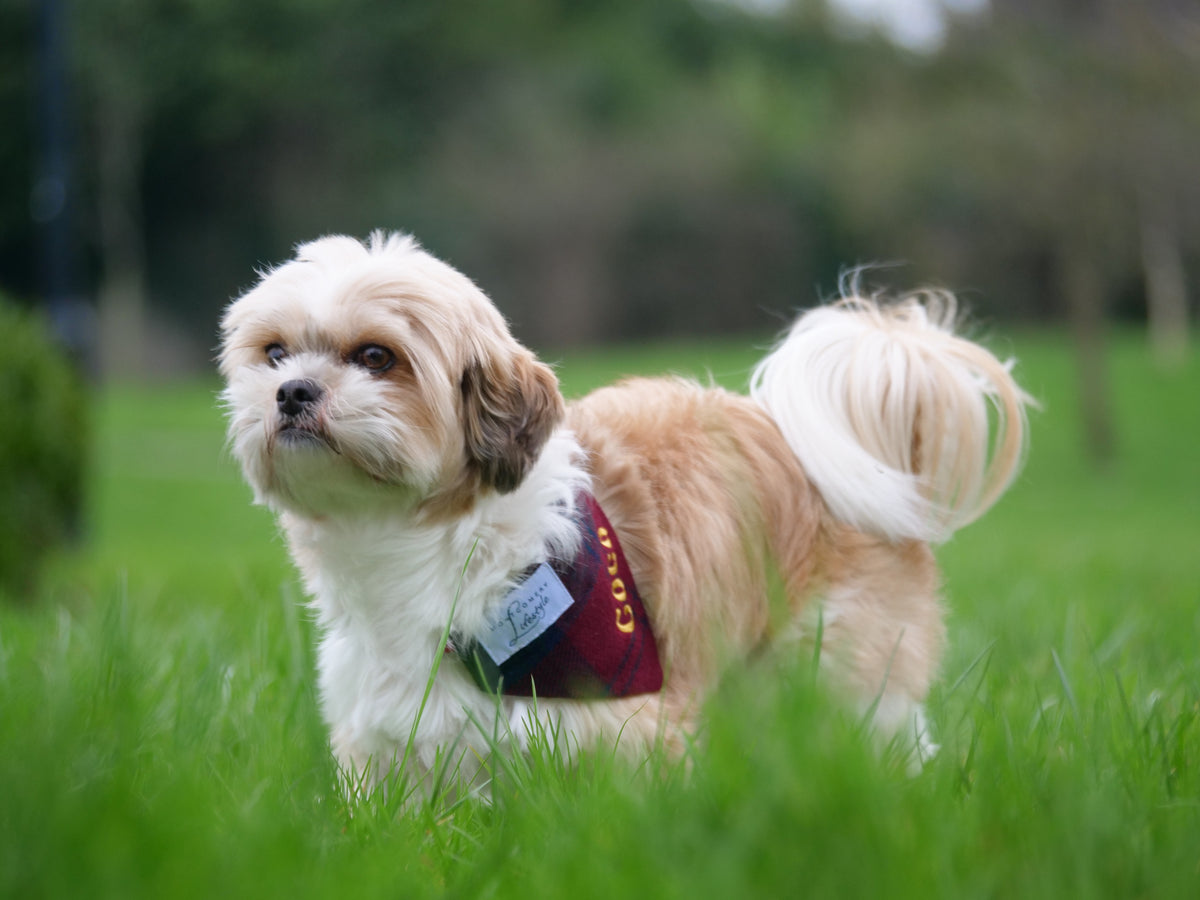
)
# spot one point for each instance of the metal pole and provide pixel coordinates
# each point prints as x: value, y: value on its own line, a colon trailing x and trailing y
x: 52, y: 198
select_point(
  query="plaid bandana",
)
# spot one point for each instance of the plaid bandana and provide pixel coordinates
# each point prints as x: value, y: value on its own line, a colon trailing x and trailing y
x: 574, y: 628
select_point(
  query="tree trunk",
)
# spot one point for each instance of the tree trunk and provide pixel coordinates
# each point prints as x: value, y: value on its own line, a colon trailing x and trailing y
x: 1082, y: 287
x: 122, y: 293
x: 572, y: 287
x: 1166, y: 285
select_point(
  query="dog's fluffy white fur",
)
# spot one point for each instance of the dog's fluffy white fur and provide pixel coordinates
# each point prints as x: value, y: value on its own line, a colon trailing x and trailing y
x: 420, y: 459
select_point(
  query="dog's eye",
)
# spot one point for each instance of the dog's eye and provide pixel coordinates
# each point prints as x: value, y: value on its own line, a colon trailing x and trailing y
x: 275, y: 353
x: 373, y: 358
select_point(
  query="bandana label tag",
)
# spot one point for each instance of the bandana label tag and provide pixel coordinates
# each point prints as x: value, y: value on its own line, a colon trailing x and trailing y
x: 529, y: 610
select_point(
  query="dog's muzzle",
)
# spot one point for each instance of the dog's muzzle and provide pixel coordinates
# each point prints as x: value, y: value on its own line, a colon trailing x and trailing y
x: 298, y: 402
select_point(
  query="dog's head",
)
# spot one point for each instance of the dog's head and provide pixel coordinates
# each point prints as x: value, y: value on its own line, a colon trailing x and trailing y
x: 374, y: 374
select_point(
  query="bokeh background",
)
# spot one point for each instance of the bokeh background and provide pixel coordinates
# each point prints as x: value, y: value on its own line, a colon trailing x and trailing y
x: 642, y: 186
x: 607, y: 170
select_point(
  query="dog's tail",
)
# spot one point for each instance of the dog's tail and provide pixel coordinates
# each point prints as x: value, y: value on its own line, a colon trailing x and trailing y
x: 905, y: 428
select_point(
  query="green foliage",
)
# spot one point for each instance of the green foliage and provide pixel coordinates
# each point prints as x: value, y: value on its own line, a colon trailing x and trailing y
x: 623, y: 168
x: 42, y: 447
x: 161, y: 734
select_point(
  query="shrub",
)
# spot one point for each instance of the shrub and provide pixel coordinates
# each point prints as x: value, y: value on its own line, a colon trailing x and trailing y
x: 43, y: 440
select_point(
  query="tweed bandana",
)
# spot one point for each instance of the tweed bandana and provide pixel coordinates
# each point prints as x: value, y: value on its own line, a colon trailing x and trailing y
x: 573, y: 629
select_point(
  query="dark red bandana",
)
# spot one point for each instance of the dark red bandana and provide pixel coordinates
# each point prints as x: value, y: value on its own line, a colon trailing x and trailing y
x: 572, y: 629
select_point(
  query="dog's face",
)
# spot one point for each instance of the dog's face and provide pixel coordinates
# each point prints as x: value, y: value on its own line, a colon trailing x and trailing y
x: 374, y: 376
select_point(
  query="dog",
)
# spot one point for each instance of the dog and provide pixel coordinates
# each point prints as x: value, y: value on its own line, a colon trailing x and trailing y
x: 486, y: 561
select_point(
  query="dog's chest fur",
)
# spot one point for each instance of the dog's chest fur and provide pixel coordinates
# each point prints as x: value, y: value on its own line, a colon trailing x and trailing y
x: 383, y: 589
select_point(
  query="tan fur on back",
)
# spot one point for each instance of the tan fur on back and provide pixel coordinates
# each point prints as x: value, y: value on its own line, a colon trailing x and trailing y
x: 708, y: 500
x: 703, y: 492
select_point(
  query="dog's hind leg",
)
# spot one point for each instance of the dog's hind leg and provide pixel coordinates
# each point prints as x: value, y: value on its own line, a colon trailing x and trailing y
x: 881, y: 635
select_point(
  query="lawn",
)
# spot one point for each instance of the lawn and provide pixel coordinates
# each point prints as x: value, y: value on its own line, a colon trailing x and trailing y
x: 160, y: 737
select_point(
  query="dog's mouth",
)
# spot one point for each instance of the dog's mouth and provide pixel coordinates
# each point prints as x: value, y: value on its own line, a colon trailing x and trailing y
x: 297, y: 444
x: 302, y: 433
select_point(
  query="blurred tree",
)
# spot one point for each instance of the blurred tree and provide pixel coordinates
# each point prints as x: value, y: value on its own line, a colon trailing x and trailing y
x: 1051, y: 150
x: 1110, y: 150
x: 128, y: 68
x: 180, y: 91
x: 1161, y: 42
x: 619, y: 168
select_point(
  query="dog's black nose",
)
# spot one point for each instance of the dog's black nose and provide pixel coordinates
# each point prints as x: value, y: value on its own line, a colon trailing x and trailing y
x: 297, y: 397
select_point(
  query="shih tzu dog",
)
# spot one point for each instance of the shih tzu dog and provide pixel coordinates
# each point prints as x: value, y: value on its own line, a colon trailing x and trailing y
x: 484, y: 558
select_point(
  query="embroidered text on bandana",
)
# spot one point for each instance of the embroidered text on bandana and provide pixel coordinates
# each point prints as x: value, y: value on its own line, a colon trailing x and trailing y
x: 572, y: 629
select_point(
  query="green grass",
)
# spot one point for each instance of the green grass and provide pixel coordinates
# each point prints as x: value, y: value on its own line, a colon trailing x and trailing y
x: 160, y: 737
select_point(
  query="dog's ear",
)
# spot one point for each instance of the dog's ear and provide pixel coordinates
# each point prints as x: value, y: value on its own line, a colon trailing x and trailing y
x: 509, y: 411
